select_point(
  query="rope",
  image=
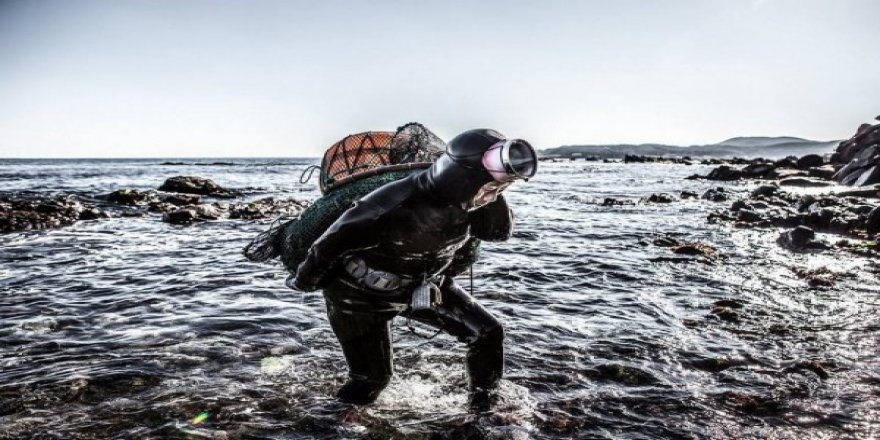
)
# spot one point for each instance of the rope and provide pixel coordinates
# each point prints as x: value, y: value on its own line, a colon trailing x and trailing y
x: 311, y: 170
x: 412, y: 330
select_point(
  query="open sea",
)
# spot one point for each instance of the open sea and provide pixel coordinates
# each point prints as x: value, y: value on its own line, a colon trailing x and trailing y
x: 135, y: 328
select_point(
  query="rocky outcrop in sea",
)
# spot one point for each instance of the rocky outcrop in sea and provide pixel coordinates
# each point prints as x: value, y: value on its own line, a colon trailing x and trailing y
x: 180, y: 200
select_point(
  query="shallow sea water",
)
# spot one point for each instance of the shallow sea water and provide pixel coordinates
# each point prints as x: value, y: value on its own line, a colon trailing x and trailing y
x: 132, y: 328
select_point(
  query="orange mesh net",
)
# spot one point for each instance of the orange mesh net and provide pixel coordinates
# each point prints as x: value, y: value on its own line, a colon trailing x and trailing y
x: 366, y: 154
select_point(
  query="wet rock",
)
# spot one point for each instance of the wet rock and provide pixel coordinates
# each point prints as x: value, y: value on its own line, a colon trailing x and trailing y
x: 810, y: 161
x: 802, y: 182
x: 692, y: 323
x: 748, y: 216
x: 208, y: 212
x: 758, y: 171
x: 162, y: 207
x: 716, y: 194
x: 611, y: 201
x: 866, y: 193
x: 730, y: 303
x: 688, y: 195
x: 739, y: 204
x: 860, y: 157
x: 699, y: 249
x: 28, y: 213
x: 724, y: 173
x: 799, y: 239
x: 195, y: 185
x: 786, y: 162
x: 860, y: 209
x: 725, y: 314
x: 92, y: 214
x: 181, y: 216
x: 661, y: 198
x: 872, y: 221
x: 180, y: 199
x: 825, y: 172
x: 764, y: 191
x: 819, y: 277
x: 131, y: 197
x: 805, y: 202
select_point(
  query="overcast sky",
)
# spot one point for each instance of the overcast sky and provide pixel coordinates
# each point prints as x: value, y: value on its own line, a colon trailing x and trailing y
x: 186, y: 78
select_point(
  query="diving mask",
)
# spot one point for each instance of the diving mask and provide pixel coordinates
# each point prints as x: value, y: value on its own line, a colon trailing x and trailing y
x: 510, y: 159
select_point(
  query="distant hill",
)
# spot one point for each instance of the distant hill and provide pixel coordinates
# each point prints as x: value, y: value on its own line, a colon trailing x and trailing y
x: 756, y: 146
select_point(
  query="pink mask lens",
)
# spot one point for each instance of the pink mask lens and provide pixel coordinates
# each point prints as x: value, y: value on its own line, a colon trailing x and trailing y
x: 494, y: 165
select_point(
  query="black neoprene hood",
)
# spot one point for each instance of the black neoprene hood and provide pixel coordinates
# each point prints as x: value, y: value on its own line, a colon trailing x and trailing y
x: 457, y: 176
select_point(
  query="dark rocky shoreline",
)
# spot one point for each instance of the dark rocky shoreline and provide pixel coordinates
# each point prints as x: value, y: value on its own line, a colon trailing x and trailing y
x: 180, y: 200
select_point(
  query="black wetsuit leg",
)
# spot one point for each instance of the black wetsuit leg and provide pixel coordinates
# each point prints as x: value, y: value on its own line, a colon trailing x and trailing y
x: 461, y: 316
x: 365, y: 337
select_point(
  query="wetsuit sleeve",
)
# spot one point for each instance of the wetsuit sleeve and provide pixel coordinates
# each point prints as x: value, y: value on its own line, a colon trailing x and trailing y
x: 354, y: 230
x: 493, y: 222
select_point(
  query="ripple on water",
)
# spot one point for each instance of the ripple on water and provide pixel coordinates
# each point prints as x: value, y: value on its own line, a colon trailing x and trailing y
x: 127, y: 319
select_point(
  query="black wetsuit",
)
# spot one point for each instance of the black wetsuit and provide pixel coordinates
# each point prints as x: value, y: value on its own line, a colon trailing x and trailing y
x: 413, y: 228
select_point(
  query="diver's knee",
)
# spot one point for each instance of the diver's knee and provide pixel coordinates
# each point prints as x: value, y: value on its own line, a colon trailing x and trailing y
x: 493, y: 335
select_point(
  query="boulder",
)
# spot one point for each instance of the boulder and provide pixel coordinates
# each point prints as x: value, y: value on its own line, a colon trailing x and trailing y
x: 661, y: 198
x: 715, y: 194
x: 809, y: 161
x: 765, y: 191
x: 787, y: 162
x: 688, y: 195
x: 92, y: 214
x: 799, y: 239
x: 748, y: 216
x: 758, y: 171
x: 195, y: 185
x: 724, y: 173
x: 131, y: 197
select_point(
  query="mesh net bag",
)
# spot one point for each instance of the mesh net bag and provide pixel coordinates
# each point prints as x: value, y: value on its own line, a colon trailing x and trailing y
x: 363, y: 155
x: 296, y: 236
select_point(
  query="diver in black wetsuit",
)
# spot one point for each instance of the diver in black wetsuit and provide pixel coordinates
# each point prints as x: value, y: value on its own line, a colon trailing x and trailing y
x: 390, y: 255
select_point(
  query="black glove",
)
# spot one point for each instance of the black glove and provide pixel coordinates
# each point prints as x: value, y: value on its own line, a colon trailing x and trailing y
x: 297, y: 284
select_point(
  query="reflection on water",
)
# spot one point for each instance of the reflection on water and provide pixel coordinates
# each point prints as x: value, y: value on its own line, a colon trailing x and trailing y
x: 135, y: 328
